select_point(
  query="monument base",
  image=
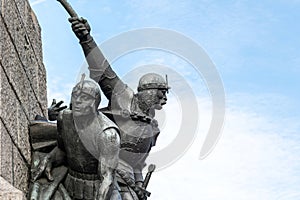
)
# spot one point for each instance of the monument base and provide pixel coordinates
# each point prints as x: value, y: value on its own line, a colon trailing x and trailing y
x: 9, y: 192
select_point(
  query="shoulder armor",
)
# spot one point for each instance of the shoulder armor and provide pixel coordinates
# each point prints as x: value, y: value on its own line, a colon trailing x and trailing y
x: 106, y: 122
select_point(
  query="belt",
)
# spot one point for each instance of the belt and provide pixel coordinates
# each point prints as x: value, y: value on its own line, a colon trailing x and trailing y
x: 84, y: 176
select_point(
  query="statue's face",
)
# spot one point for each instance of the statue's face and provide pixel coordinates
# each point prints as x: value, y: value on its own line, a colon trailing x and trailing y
x: 82, y: 103
x: 161, y: 99
x: 152, y: 99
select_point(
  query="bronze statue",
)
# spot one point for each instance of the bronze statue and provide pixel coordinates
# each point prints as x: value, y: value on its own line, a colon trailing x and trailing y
x: 89, y: 153
x: 86, y: 157
x: 133, y: 113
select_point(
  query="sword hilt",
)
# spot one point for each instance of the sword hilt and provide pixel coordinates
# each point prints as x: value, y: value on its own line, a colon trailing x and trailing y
x: 151, y: 169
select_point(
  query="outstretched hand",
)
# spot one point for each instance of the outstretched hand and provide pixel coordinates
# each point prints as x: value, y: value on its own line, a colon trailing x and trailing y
x: 54, y: 109
x: 80, y: 27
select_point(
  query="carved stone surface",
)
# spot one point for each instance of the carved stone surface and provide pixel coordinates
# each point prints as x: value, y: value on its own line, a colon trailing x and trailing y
x: 13, y: 117
x: 6, y: 155
x: 21, y: 170
x: 8, y: 192
x: 22, y: 90
x: 42, y: 88
x: 23, y: 138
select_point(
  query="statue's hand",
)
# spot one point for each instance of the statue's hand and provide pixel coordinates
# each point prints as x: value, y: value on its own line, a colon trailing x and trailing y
x: 140, y: 192
x: 45, y: 166
x: 54, y: 109
x: 80, y: 27
x: 139, y: 184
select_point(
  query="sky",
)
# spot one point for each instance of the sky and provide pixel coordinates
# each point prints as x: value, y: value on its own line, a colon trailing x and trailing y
x: 254, y: 48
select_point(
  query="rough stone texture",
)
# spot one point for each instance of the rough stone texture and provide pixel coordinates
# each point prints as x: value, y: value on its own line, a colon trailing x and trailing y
x: 22, y: 92
x: 21, y: 169
x: 8, y: 192
x: 6, y: 155
x: 23, y: 135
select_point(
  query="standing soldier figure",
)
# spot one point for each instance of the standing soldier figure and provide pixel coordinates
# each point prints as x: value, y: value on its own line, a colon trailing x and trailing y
x: 133, y: 113
x: 88, y: 147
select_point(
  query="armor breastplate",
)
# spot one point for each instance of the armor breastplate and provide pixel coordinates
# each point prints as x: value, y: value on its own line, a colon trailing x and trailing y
x: 138, y: 132
x: 78, y: 157
x: 137, y: 138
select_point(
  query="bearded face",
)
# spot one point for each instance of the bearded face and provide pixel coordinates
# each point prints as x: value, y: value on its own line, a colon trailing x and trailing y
x: 152, y: 99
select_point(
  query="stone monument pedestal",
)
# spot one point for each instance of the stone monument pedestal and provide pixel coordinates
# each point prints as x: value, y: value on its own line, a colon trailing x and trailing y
x: 9, y: 192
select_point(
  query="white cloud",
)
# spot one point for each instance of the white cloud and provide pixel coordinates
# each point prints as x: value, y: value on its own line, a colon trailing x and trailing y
x: 36, y: 2
x: 59, y: 90
x: 256, y: 158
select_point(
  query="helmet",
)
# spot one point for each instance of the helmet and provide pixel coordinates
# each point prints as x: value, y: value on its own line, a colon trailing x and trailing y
x: 88, y: 87
x: 153, y: 81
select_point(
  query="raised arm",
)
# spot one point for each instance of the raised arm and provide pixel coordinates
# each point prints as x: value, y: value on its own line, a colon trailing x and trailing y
x: 109, y: 144
x: 100, y: 69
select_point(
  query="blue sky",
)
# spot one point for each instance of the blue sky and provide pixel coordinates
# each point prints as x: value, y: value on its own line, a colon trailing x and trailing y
x: 254, y: 45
